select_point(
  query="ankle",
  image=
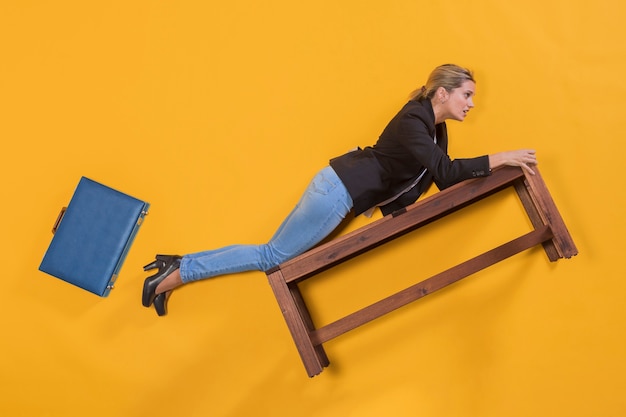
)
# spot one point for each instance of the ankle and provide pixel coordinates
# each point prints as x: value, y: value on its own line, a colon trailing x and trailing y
x: 170, y: 282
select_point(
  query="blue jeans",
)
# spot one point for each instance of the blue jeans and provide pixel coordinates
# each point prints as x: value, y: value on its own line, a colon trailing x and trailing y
x: 321, y: 209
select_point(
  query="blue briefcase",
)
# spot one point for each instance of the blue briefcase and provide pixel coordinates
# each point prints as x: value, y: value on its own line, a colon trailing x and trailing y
x: 92, y: 236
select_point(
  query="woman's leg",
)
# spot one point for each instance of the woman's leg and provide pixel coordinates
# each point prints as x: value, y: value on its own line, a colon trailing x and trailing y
x: 320, y: 210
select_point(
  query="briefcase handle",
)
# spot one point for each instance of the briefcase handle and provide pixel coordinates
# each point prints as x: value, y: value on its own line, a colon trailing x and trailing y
x: 59, y: 218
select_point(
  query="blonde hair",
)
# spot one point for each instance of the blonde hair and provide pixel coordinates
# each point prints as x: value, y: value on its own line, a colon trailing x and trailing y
x: 448, y: 76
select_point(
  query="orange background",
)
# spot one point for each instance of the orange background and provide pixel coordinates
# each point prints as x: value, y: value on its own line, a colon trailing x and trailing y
x: 218, y: 114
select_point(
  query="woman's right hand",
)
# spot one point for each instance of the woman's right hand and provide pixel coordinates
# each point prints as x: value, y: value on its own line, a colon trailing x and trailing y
x: 524, y: 158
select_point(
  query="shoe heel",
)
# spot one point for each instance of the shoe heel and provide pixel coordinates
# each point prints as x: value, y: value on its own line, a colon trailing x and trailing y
x: 154, y: 264
x: 159, y: 262
x: 160, y: 303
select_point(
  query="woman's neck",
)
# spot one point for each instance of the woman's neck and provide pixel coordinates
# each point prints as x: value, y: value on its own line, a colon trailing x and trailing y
x: 437, y: 110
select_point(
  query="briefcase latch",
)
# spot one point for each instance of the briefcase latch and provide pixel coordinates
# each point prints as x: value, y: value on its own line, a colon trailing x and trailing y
x: 112, y: 282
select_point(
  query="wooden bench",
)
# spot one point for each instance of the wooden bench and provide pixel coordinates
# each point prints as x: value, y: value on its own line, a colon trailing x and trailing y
x: 548, y: 230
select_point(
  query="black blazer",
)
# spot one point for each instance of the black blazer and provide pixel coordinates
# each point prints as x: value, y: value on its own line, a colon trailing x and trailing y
x: 405, y: 148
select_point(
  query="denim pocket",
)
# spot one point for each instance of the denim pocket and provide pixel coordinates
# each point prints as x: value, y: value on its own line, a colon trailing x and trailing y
x: 324, y: 182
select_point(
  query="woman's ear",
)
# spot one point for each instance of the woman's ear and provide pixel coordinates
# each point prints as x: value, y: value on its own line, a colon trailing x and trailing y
x: 442, y: 95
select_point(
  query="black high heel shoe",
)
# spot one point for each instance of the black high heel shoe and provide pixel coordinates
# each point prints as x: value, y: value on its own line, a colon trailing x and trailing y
x: 160, y: 303
x: 166, y: 264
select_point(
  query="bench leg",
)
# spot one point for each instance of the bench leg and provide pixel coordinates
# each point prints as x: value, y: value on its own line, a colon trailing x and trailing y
x: 535, y: 217
x: 298, y: 321
x: 536, y: 198
x: 308, y: 321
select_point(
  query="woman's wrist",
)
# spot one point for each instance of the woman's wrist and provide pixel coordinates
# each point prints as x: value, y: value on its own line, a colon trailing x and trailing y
x: 495, y: 160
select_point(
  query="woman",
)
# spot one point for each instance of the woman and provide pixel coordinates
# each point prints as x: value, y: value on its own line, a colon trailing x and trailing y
x: 410, y: 154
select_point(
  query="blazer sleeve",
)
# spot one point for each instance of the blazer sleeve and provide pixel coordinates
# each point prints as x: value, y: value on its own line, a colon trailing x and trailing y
x: 417, y: 141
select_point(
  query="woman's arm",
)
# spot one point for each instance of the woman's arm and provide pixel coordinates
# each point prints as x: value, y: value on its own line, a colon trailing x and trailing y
x: 523, y: 158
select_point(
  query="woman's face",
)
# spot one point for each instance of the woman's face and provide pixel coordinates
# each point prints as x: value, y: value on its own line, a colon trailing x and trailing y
x: 458, y: 102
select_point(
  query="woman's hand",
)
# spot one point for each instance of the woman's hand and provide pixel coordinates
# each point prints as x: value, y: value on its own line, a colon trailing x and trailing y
x: 524, y: 158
